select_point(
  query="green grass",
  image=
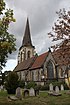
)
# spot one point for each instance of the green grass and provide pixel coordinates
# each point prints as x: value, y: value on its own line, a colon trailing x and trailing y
x: 3, y: 94
x: 42, y: 99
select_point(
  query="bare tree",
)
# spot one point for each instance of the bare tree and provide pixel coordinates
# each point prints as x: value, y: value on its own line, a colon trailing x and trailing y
x: 61, y: 31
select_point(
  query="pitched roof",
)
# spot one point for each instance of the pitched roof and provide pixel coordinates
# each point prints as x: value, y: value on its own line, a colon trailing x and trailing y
x: 25, y: 64
x: 39, y: 61
x: 27, y: 36
x: 32, y: 63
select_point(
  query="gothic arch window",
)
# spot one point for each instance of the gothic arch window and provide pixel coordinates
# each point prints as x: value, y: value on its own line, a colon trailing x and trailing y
x: 62, y: 73
x: 28, y: 54
x: 38, y: 75
x: 21, y: 56
x: 18, y: 58
x: 50, y: 70
x: 32, y: 76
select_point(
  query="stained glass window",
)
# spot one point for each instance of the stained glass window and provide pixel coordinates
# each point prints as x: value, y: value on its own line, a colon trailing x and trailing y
x: 50, y: 71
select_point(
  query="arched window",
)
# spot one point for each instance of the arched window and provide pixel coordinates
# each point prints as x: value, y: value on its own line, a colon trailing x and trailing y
x: 32, y: 76
x: 28, y: 54
x: 38, y: 75
x: 18, y: 58
x: 21, y: 56
x: 62, y: 73
x: 50, y: 71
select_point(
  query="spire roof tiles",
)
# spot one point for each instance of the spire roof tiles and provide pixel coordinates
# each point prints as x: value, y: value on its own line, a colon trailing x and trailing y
x: 27, y: 36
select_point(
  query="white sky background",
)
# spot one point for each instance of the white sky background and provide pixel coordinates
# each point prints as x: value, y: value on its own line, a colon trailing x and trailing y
x: 42, y: 15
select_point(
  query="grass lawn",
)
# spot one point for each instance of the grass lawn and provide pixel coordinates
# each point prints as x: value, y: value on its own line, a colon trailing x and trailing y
x: 42, y: 99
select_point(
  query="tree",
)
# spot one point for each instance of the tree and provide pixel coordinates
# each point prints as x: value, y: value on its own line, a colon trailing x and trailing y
x: 7, y: 40
x: 61, y: 31
x: 11, y: 82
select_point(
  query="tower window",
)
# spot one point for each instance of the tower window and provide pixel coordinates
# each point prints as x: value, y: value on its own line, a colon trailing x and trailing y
x: 21, y: 56
x: 28, y: 54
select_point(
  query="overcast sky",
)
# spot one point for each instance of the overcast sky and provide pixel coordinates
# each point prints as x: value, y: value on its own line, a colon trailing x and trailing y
x: 42, y: 15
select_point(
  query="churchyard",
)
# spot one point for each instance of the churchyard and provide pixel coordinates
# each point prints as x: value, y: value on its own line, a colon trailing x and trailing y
x: 30, y: 93
x: 50, y: 97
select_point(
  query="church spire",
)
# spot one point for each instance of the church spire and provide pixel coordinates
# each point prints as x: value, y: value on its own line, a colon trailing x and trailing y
x: 27, y: 50
x: 27, y: 36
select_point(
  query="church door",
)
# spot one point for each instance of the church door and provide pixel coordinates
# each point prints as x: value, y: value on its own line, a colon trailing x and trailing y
x: 50, y: 71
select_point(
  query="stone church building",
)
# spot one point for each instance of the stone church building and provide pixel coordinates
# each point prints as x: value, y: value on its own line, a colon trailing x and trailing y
x: 32, y: 67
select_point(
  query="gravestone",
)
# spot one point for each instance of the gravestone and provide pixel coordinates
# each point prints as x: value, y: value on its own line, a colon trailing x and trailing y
x: 57, y: 89
x: 26, y: 92
x: 51, y: 87
x: 31, y: 92
x: 1, y: 87
x: 25, y: 83
x: 62, y: 87
x: 18, y: 93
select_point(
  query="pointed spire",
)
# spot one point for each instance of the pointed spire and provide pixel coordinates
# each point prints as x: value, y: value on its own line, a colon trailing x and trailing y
x: 27, y: 36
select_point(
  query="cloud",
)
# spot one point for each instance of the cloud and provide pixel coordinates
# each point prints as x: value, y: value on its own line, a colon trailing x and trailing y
x: 10, y: 65
x: 41, y: 14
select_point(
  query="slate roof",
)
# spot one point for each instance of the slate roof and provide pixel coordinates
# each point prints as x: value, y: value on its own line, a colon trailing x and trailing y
x: 27, y: 36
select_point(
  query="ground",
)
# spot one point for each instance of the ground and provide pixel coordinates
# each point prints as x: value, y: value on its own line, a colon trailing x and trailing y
x: 42, y: 99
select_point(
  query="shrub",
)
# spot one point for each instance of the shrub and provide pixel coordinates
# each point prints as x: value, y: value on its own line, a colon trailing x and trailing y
x: 21, y: 84
x: 58, y: 83
x: 65, y: 86
x: 55, y: 83
x: 45, y: 87
x: 11, y: 82
x: 30, y: 84
x: 37, y: 87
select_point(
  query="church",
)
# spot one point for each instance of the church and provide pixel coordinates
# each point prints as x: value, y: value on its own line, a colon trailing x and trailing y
x: 34, y: 67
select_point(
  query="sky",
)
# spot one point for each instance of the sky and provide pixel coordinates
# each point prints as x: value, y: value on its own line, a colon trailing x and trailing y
x: 41, y: 15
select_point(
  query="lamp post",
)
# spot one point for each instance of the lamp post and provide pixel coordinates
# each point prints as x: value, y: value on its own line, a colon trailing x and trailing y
x: 43, y: 77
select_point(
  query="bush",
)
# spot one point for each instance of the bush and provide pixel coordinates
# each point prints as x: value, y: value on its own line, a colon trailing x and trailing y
x: 37, y: 87
x: 55, y: 83
x: 11, y: 82
x: 30, y: 84
x: 45, y: 87
x: 65, y: 86
x: 21, y: 84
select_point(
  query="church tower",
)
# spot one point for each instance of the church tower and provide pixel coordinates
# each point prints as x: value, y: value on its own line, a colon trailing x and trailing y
x: 27, y: 50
